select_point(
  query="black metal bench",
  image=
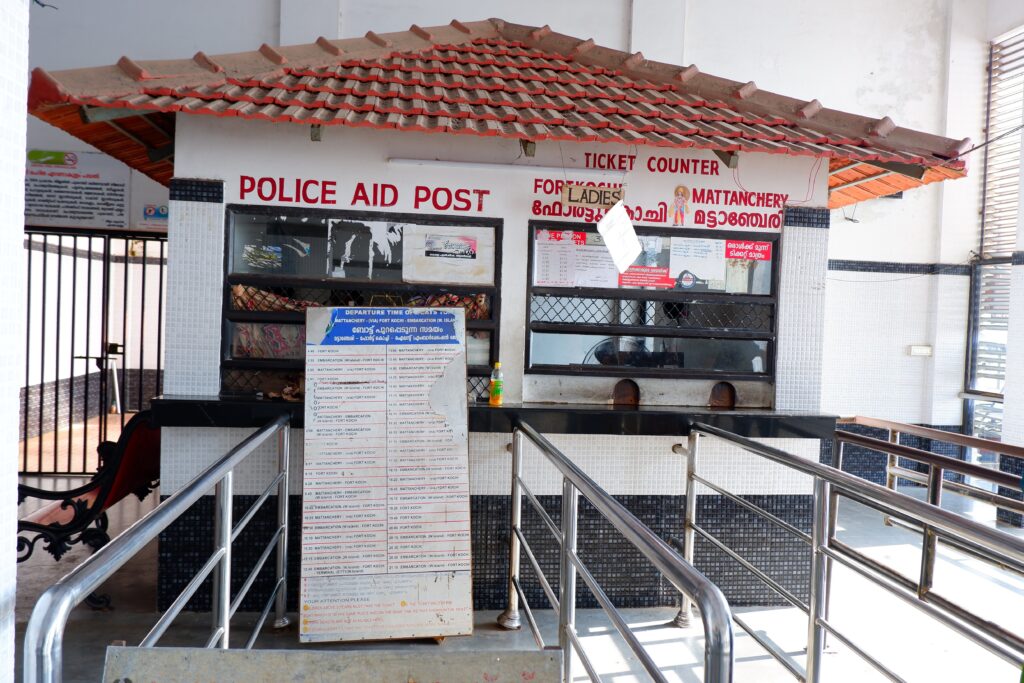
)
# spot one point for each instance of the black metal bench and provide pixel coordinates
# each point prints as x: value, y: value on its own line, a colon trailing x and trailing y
x: 79, y: 515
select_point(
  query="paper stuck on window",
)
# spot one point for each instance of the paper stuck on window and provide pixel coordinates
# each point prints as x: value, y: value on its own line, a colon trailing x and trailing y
x: 619, y: 237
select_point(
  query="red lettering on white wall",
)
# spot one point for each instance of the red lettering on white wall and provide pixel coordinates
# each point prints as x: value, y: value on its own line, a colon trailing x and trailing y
x: 447, y: 199
x: 381, y: 194
x: 288, y: 191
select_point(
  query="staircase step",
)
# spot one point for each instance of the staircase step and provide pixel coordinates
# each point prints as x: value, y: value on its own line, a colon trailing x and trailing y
x: 187, y: 665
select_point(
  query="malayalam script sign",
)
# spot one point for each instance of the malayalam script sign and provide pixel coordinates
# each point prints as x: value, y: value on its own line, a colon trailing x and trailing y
x: 75, y: 189
x: 385, y: 496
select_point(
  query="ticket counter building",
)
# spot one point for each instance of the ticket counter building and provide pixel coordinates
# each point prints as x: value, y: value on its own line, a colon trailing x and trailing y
x: 434, y: 168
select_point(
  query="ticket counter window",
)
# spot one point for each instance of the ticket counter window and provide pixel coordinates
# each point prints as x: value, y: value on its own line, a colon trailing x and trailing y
x: 280, y: 262
x: 695, y: 304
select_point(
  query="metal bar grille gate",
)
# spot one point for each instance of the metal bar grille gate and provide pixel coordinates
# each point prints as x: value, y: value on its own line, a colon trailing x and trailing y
x: 94, y: 330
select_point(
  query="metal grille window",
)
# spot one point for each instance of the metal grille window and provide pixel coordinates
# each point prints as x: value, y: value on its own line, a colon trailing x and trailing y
x: 282, y: 261
x: 695, y: 303
x: 990, y: 286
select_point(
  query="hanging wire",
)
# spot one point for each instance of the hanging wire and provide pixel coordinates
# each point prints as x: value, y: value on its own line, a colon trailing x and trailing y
x: 949, y: 269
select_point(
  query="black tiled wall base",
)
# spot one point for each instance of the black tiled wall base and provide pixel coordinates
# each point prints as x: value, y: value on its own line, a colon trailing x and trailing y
x: 59, y: 400
x: 624, y: 574
x: 66, y: 399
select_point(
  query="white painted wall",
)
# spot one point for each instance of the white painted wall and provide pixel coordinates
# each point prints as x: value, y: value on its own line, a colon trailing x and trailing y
x: 872, y: 319
x: 1004, y: 16
x: 14, y: 17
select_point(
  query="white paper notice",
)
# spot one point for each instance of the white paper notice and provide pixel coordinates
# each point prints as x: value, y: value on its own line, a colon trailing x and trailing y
x: 385, y: 499
x: 595, y: 268
x: 619, y: 237
x: 705, y: 258
x: 462, y: 255
x: 554, y: 257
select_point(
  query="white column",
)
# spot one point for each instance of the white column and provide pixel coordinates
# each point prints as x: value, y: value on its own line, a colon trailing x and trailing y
x: 195, y: 276
x: 13, y: 102
x: 957, y: 231
x: 801, y: 328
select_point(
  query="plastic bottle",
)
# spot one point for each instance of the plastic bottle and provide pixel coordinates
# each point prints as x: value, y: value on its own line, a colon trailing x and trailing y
x: 496, y: 391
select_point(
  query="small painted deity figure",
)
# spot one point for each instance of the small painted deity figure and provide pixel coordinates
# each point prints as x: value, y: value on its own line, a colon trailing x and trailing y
x: 680, y: 205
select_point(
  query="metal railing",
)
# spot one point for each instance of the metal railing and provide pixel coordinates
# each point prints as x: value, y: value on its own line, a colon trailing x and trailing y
x: 938, y: 464
x: 43, y: 654
x: 830, y: 483
x: 714, y: 610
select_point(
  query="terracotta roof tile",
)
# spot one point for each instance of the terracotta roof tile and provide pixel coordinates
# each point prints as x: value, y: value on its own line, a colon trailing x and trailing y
x: 488, y: 78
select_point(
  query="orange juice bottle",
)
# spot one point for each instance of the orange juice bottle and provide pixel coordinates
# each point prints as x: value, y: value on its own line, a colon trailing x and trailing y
x: 496, y: 391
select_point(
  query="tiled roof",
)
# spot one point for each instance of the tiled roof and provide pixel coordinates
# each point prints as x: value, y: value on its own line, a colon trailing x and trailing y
x: 484, y: 78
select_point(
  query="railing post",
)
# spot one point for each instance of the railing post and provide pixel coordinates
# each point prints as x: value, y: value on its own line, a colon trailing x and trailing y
x: 510, y: 617
x: 833, y: 520
x: 283, y: 457
x: 929, y: 546
x: 891, y: 479
x: 222, y: 576
x: 682, y: 619
x: 567, y: 578
x: 816, y: 604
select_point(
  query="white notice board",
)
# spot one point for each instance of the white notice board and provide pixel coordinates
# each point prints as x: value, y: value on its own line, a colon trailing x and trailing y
x: 76, y: 189
x: 385, y: 492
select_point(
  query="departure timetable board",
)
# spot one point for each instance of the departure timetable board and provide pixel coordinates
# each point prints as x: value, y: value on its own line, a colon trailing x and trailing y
x: 385, y: 500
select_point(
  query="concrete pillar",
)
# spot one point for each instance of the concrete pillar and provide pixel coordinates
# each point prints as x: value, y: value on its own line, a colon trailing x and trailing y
x: 195, y: 276
x: 801, y: 327
x: 13, y: 102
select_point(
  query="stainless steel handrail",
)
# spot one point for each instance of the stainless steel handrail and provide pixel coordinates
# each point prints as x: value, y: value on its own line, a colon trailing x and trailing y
x: 935, y: 434
x: 939, y: 464
x: 829, y: 484
x: 43, y: 645
x: 714, y: 610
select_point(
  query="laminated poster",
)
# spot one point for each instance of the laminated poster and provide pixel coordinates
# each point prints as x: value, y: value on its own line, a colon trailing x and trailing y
x: 447, y: 254
x: 76, y: 189
x: 385, y: 491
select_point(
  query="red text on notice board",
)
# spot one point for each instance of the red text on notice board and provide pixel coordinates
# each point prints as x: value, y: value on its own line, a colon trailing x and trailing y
x: 646, y: 276
x: 748, y: 251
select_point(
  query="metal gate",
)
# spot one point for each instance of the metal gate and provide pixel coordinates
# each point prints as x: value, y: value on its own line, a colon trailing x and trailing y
x: 94, y: 342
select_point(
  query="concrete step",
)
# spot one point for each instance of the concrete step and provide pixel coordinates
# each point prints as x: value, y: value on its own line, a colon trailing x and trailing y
x: 187, y: 665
